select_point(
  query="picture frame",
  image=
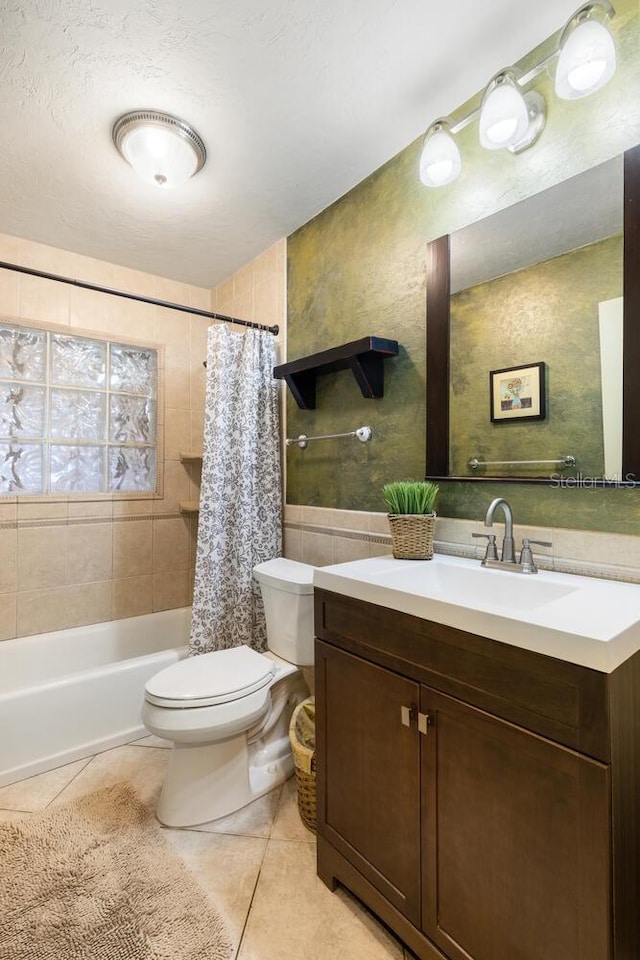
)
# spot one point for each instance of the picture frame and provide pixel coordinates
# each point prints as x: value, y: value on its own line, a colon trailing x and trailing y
x: 518, y: 393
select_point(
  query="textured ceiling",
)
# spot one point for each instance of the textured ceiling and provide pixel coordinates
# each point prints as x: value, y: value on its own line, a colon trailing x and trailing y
x: 297, y: 101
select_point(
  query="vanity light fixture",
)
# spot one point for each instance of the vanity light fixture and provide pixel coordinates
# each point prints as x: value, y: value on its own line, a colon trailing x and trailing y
x: 508, y: 117
x: 512, y: 117
x: 587, y: 54
x: 161, y: 148
x: 440, y: 161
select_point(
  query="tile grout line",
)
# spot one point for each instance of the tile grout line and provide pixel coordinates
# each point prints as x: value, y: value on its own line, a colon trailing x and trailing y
x: 81, y: 770
x: 253, y: 893
x: 258, y: 875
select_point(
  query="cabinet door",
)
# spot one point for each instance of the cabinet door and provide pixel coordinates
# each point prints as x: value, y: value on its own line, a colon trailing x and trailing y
x: 369, y: 772
x: 516, y: 841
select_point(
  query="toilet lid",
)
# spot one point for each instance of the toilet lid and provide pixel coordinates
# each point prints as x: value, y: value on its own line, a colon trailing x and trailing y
x: 210, y: 678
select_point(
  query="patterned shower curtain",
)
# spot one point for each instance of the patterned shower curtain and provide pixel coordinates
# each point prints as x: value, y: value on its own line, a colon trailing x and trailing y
x: 240, y: 495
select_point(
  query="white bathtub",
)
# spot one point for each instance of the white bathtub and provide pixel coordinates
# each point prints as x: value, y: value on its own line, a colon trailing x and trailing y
x: 73, y: 693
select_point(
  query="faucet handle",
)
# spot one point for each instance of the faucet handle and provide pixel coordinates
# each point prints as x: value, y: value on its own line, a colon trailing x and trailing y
x: 491, y: 552
x: 526, y: 557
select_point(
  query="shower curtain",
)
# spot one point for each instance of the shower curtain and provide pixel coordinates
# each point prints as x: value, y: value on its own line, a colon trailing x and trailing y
x: 240, y: 495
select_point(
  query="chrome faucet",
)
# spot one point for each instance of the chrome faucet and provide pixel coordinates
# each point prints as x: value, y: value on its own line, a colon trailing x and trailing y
x: 508, y: 547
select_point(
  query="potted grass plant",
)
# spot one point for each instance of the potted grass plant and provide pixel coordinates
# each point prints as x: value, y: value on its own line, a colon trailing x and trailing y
x: 412, y: 517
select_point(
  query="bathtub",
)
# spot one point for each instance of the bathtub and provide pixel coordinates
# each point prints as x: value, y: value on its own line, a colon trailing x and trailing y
x: 72, y: 693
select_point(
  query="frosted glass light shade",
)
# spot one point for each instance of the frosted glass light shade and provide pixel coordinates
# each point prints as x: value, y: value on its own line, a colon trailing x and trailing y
x: 162, y: 149
x: 440, y: 161
x: 587, y: 61
x: 504, y: 117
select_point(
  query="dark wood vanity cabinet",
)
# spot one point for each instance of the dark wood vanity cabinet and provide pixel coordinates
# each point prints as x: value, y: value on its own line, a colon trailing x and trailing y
x: 473, y: 794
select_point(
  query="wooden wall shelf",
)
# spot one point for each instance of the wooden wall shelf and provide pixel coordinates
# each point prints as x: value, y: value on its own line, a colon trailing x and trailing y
x: 363, y: 357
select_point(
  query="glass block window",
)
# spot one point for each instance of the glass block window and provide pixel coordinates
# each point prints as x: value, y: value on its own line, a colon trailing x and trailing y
x: 77, y: 415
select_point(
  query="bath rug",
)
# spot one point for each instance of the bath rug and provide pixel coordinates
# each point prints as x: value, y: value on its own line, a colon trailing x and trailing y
x: 95, y: 880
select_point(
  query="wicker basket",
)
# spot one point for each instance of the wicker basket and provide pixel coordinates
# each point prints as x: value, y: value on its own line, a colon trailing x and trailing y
x: 412, y: 535
x: 302, y: 734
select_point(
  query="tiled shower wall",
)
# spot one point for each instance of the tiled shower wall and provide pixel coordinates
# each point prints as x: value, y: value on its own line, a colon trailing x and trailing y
x: 66, y: 563
x: 258, y: 292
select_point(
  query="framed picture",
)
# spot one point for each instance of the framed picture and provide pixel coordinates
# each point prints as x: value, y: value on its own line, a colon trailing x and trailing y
x: 517, y: 393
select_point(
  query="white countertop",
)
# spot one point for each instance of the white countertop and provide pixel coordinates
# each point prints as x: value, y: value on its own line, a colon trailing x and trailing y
x: 583, y: 620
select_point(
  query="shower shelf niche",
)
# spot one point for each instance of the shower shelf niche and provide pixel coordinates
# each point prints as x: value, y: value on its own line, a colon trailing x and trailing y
x: 188, y: 456
x: 189, y: 506
x: 363, y: 357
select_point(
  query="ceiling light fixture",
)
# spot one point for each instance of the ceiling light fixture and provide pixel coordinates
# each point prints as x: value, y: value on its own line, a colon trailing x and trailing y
x: 161, y: 148
x: 513, y: 117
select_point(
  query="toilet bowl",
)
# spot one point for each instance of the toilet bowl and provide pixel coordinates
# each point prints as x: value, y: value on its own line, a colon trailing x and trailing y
x: 227, y: 713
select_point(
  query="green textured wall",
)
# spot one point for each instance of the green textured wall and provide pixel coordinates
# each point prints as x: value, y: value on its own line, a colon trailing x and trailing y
x: 547, y: 313
x: 359, y: 268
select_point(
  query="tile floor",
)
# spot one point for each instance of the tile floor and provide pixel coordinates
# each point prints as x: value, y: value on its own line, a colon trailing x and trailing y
x: 258, y: 865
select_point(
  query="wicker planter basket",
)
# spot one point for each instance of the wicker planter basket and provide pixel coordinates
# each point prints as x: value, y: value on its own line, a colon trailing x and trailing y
x: 302, y: 734
x: 412, y: 535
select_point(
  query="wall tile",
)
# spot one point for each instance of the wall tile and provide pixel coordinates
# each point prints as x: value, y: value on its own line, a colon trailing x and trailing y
x: 41, y: 557
x: 198, y: 331
x: 89, y: 603
x: 9, y: 248
x: 243, y: 282
x: 96, y: 509
x: 199, y: 297
x: 91, y: 311
x: 378, y: 522
x: 132, y: 508
x: 293, y: 512
x: 131, y: 320
x: 292, y: 545
x: 8, y: 621
x: 317, y: 516
x: 42, y: 510
x: 350, y: 520
x: 170, y: 590
x: 317, y: 549
x: 89, y: 552
x: 40, y: 611
x: 132, y: 597
x: 9, y: 293
x: 170, y: 544
x: 379, y: 549
x: 176, y: 488
x: 618, y: 549
x: 346, y: 549
x: 8, y: 560
x: 132, y: 548
x: 44, y: 301
x: 196, y: 430
x: 176, y: 385
x: 177, y: 433
x: 8, y: 511
x: 171, y: 328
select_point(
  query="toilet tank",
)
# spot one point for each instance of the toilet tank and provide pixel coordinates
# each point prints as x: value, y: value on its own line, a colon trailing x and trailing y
x: 287, y: 594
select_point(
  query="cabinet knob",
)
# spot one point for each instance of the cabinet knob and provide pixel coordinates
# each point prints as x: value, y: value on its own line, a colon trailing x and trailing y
x: 406, y: 715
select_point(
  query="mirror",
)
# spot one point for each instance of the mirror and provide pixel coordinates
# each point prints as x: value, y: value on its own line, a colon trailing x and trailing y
x: 527, y: 315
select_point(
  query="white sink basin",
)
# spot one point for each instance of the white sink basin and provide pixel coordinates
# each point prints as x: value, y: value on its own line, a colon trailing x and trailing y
x: 476, y: 586
x: 584, y: 620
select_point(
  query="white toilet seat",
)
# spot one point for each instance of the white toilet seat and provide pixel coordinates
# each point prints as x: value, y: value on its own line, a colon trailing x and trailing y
x: 210, y: 679
x: 207, y: 724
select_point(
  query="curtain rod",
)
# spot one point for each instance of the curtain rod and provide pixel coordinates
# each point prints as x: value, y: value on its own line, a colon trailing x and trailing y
x: 134, y: 296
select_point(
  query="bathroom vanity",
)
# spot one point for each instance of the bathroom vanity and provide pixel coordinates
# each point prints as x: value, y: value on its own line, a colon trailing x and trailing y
x: 479, y: 793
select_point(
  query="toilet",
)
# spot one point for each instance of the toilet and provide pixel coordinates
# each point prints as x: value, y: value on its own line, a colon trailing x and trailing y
x: 227, y: 712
